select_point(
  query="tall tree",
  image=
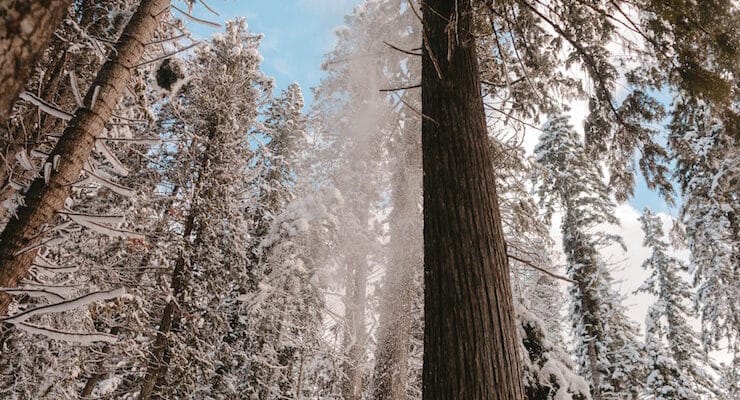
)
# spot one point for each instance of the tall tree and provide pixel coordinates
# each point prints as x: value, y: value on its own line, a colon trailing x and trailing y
x: 470, y: 337
x: 677, y: 366
x: 48, y: 193
x: 210, y: 266
x: 608, y: 353
x: 27, y: 26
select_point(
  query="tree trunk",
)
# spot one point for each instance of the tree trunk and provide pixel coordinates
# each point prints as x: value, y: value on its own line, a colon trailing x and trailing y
x: 74, y: 147
x: 26, y: 26
x: 354, y: 315
x: 394, y: 329
x: 584, y: 271
x: 160, y: 358
x: 470, y: 337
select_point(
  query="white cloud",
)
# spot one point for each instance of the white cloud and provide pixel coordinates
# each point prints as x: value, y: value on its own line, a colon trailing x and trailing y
x: 626, y: 266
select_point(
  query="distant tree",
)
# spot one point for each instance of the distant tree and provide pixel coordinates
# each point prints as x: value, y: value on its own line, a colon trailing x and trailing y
x: 677, y: 367
x: 608, y: 352
x: 210, y: 265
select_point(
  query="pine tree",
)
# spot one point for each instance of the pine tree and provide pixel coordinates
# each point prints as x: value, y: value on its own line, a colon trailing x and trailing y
x: 677, y: 367
x: 48, y: 193
x: 694, y: 53
x: 606, y: 345
x: 210, y: 266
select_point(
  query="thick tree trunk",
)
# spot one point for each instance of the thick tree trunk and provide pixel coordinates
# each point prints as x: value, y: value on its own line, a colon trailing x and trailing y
x: 26, y: 26
x: 470, y: 337
x: 74, y: 147
x: 394, y: 329
x: 354, y: 314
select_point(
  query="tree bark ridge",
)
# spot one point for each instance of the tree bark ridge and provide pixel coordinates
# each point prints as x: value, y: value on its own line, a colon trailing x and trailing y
x: 470, y: 340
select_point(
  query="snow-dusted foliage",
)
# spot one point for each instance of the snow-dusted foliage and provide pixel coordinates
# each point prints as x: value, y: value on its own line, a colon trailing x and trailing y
x: 219, y: 243
x: 708, y: 169
x: 548, y: 369
x: 210, y: 270
x: 677, y: 366
x: 608, y: 352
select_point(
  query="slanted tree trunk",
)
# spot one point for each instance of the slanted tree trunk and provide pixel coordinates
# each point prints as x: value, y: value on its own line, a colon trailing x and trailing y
x: 75, y: 146
x: 470, y: 339
x: 26, y: 27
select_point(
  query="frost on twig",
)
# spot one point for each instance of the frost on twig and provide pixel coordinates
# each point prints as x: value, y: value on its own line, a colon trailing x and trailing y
x: 117, y: 165
x: 96, y: 178
x: 47, y: 294
x: 48, y: 108
x: 65, y: 305
x: 83, y: 338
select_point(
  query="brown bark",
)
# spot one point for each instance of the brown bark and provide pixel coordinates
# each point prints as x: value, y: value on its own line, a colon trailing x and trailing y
x: 159, y: 359
x: 26, y: 26
x: 470, y: 339
x: 75, y: 147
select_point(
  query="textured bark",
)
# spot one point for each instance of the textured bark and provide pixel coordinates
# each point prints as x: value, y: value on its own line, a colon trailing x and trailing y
x: 394, y: 328
x: 75, y: 147
x: 26, y: 26
x: 355, y: 338
x: 470, y: 337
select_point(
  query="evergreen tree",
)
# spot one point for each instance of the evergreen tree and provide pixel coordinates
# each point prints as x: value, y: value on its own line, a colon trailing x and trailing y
x: 677, y: 365
x: 607, y: 350
x: 467, y: 292
x: 210, y: 267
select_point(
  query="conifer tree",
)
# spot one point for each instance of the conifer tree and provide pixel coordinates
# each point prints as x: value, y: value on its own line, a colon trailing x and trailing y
x: 677, y: 367
x: 48, y: 193
x: 467, y: 292
x: 607, y: 350
x: 210, y: 265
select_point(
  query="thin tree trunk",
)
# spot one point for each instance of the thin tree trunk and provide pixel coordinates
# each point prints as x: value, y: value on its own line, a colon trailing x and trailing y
x: 584, y: 272
x: 26, y: 26
x: 354, y: 313
x: 470, y: 337
x: 74, y: 147
x: 394, y: 329
x: 160, y: 358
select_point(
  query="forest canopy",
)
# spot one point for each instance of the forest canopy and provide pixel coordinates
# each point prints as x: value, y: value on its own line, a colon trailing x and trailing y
x: 437, y: 218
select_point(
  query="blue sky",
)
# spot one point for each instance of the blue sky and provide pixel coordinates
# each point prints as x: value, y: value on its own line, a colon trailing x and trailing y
x: 297, y: 33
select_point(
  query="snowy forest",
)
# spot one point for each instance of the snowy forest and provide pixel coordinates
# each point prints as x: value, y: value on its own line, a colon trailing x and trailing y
x: 436, y: 223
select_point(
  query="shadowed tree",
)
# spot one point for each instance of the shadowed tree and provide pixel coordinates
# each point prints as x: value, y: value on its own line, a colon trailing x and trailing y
x: 470, y: 339
x: 47, y: 194
x: 26, y: 27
